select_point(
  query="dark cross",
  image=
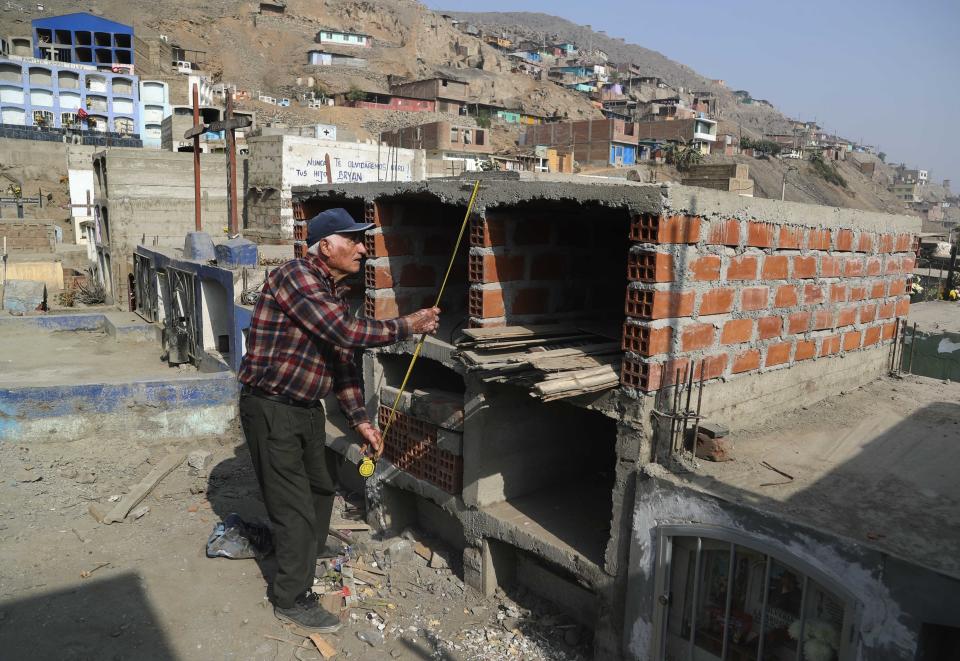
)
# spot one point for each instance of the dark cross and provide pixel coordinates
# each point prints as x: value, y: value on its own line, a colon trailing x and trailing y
x: 229, y: 124
x: 195, y: 132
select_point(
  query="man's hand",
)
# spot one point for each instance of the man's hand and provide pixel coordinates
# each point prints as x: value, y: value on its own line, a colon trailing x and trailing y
x: 426, y: 320
x: 371, y: 439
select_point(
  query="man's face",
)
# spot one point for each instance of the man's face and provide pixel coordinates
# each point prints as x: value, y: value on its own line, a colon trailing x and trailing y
x: 343, y: 253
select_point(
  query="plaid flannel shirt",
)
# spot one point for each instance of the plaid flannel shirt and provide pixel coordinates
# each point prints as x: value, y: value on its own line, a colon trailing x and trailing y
x: 302, y: 339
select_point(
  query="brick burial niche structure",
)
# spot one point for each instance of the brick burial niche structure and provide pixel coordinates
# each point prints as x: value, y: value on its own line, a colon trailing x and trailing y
x: 775, y: 305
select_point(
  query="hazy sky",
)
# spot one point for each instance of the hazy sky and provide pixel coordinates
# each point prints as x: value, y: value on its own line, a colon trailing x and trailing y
x: 882, y: 71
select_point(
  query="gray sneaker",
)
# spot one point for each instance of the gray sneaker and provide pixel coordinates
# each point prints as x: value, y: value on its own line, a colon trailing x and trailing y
x: 308, y: 614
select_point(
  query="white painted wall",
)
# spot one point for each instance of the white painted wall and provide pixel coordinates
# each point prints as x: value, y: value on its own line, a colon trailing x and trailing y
x: 81, y: 182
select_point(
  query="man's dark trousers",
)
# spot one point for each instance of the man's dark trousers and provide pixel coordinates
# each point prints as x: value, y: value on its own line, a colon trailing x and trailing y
x: 287, y: 446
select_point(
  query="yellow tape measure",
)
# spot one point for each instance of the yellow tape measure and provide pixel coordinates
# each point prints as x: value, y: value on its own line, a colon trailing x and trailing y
x: 366, y: 467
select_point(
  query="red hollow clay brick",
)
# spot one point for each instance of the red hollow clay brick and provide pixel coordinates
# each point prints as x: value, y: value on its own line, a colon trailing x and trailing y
x: 871, y: 336
x: 486, y: 302
x: 868, y: 313
x: 746, y: 361
x: 647, y: 266
x: 830, y: 266
x: 830, y: 345
x: 786, y: 296
x: 838, y: 293
x: 710, y: 367
x: 496, y: 268
x: 858, y: 293
x: 775, y: 267
x: 697, y: 336
x: 873, y: 266
x: 812, y: 294
x: 886, y: 310
x: 865, y: 242
x: 705, y: 268
x: 643, y: 340
x: 903, y: 307
x: 724, y: 232
x: 892, y: 266
x: 777, y: 354
x: 853, y: 267
x: 532, y: 231
x: 529, y: 300
x: 648, y: 304
x: 742, y: 268
x: 851, y: 340
x: 417, y: 275
x: 889, y: 330
x: 377, y: 277
x: 806, y: 349
x: 897, y: 287
x: 387, y: 245
x: 847, y: 316
x: 649, y: 376
x: 768, y: 327
x: 790, y: 237
x: 798, y: 322
x: 818, y: 239
x: 487, y: 232
x: 878, y: 289
x: 886, y: 243
x: 737, y: 331
x: 549, y: 266
x: 650, y: 228
x: 907, y: 263
x: 754, y: 298
x: 804, y: 267
x: 844, y: 240
x: 823, y: 319
x: 760, y: 235
x: 903, y: 243
x: 716, y: 301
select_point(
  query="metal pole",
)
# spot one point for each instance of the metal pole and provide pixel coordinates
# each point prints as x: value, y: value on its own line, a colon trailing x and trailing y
x: 729, y: 601
x: 893, y: 353
x: 231, y: 171
x: 693, y: 602
x: 196, y: 158
x: 696, y: 420
x: 763, y: 608
x: 686, y: 410
x: 913, y: 343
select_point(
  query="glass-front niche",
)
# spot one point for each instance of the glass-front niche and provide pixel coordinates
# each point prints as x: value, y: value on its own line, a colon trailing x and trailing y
x: 726, y: 601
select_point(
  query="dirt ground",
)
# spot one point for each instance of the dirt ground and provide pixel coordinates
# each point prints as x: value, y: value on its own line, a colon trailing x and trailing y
x: 875, y: 464
x: 73, y: 588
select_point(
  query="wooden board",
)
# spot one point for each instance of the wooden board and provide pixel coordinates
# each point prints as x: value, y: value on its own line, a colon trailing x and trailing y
x: 144, y: 487
x: 518, y: 331
x: 327, y: 651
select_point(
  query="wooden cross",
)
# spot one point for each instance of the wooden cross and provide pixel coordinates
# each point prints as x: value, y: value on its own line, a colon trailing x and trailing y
x: 195, y: 133
x: 229, y: 124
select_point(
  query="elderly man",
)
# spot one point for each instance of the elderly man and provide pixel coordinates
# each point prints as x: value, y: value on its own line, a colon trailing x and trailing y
x: 300, y: 348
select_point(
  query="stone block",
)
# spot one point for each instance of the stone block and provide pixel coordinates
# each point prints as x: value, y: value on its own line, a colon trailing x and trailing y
x: 23, y: 295
x: 237, y: 252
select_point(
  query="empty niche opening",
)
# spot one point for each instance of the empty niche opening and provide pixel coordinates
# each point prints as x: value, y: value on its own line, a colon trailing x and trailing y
x: 547, y: 469
x: 411, y: 253
x: 427, y: 374
x: 558, y: 261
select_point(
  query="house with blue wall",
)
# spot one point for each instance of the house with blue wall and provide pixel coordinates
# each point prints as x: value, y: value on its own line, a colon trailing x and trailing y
x: 83, y: 38
x: 154, y: 107
x: 52, y: 95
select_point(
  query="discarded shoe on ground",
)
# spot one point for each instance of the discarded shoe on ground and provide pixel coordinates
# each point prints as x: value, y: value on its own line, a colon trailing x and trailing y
x: 234, y: 538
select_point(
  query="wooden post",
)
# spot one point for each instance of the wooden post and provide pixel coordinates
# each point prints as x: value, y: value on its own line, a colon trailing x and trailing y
x: 231, y: 170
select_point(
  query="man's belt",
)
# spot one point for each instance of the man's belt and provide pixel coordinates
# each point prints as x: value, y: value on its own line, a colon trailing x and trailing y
x: 280, y: 399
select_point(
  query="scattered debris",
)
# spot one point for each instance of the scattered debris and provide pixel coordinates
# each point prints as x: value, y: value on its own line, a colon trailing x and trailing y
x: 326, y: 649
x: 144, y: 487
x: 552, y: 361
x: 199, y: 459
x: 140, y: 512
x: 89, y: 572
x: 768, y: 466
x: 713, y: 448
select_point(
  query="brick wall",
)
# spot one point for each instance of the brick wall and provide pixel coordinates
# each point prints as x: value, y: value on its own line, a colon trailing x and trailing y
x: 749, y: 296
x: 28, y: 236
x: 407, y: 256
x: 545, y: 265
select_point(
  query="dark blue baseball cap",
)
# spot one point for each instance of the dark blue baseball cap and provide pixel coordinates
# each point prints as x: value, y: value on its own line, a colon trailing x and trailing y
x: 332, y: 221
